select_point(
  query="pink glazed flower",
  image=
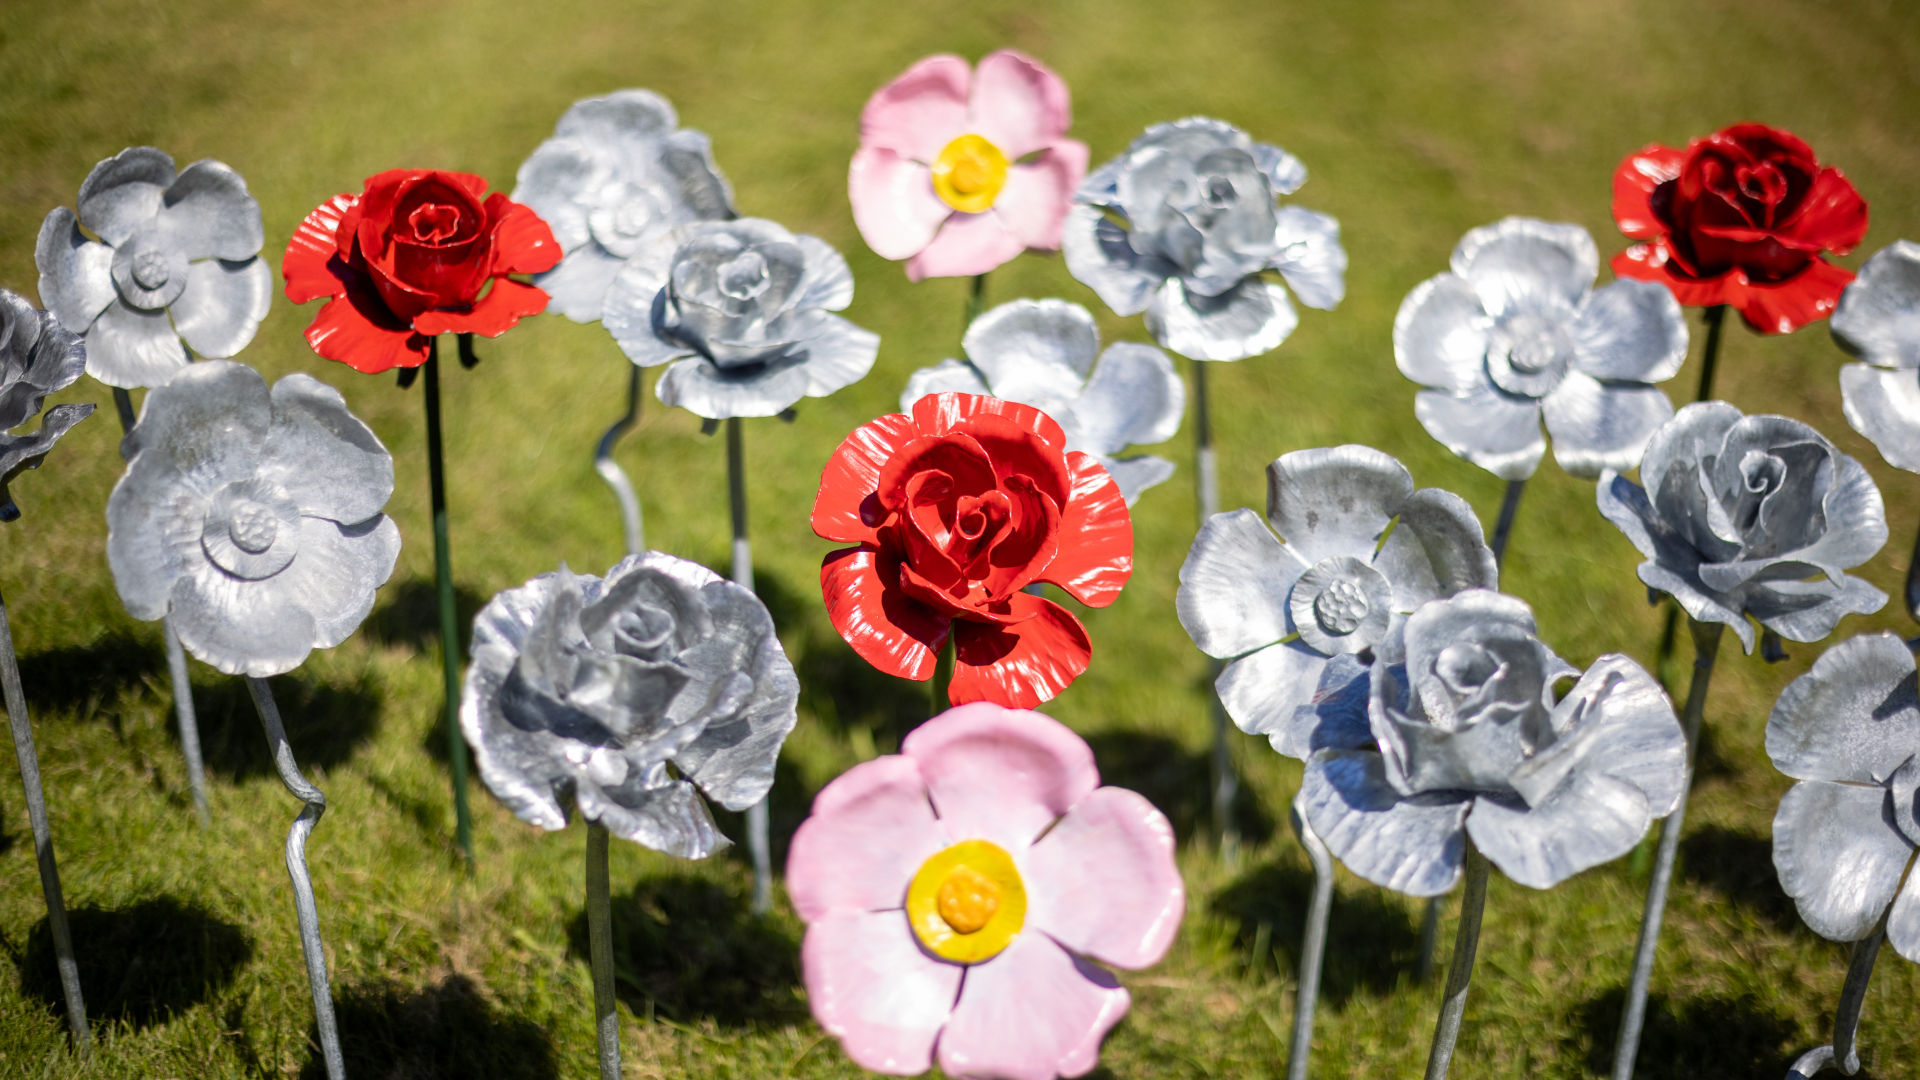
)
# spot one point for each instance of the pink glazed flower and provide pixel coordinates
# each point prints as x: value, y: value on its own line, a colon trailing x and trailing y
x: 960, y: 170
x: 958, y: 893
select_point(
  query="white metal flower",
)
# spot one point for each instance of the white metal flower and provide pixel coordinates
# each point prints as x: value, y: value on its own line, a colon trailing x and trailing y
x: 37, y: 358
x: 1878, y: 320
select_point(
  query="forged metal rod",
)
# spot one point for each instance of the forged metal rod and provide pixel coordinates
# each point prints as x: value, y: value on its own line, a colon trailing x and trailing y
x: 1314, y: 945
x: 942, y: 678
x: 1206, y: 480
x: 42, y: 836
x: 1706, y: 646
x: 303, y: 906
x: 615, y: 476
x: 743, y: 577
x: 600, y: 947
x: 176, y: 667
x: 1466, y: 942
x: 449, y: 623
x: 1843, y: 1052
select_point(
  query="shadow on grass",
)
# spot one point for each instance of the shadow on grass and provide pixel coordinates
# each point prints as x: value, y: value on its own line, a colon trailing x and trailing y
x: 326, y: 725
x: 1738, y: 866
x: 1704, y: 1037
x: 687, y: 947
x: 1371, y: 941
x: 1176, y: 780
x: 78, y: 678
x: 447, y: 1031
x: 408, y: 616
x: 141, y: 964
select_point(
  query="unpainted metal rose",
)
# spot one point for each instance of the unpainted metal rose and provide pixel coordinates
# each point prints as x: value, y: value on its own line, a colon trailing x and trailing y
x: 1042, y: 353
x: 1844, y: 836
x: 1515, y: 333
x: 168, y: 261
x: 252, y: 518
x: 740, y: 310
x: 1298, y: 618
x: 618, y: 172
x: 1470, y: 739
x: 1878, y: 320
x: 1751, y: 515
x: 624, y: 693
x: 1184, y: 226
x: 37, y: 358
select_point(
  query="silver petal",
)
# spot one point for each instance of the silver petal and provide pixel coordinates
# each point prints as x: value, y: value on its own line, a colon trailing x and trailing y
x: 1436, y: 550
x: 1099, y: 257
x: 1698, y: 603
x: 222, y: 306
x: 1633, y: 718
x: 1625, y: 504
x: 949, y: 375
x: 556, y: 180
x: 1589, y: 819
x: 578, y: 286
x: 1136, y: 474
x: 329, y: 462
x: 1856, y: 519
x: 1501, y: 434
x: 829, y: 283
x: 207, y: 214
x: 1248, y: 319
x: 1234, y: 585
x: 672, y: 819
x: 1523, y: 264
x: 1440, y: 335
x: 1036, y: 352
x: 1414, y: 846
x: 123, y: 192
x: 205, y: 423
x: 1855, y: 717
x: 733, y: 758
x: 1788, y: 615
x: 1597, y: 426
x: 697, y: 385
x: 628, y: 316
x: 1631, y: 330
x: 76, y: 274
x: 130, y: 349
x: 1903, y: 920
x: 1264, y: 691
x: 337, y: 571
x: 621, y: 115
x: 1695, y: 432
x: 1837, y: 856
x: 1335, y: 500
x: 1309, y: 256
x: 1135, y: 398
x: 1878, y: 318
x: 252, y: 628
x: 1882, y: 405
x: 1285, y: 172
x: 839, y: 354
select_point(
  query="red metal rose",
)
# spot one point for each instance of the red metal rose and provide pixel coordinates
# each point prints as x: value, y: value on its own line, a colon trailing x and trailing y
x: 411, y: 257
x: 957, y: 508
x: 1740, y: 217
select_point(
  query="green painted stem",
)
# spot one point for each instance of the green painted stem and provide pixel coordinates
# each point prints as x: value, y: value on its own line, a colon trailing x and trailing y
x: 449, y: 622
x: 942, y: 678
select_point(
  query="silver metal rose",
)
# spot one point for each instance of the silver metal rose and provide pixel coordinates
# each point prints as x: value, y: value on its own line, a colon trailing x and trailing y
x: 1515, y: 332
x: 617, y: 174
x: 1878, y: 320
x: 1042, y: 353
x: 741, y: 311
x: 172, y: 263
x: 1751, y: 515
x: 1184, y: 227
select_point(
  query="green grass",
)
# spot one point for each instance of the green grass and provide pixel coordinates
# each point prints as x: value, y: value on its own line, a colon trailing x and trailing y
x: 1417, y: 122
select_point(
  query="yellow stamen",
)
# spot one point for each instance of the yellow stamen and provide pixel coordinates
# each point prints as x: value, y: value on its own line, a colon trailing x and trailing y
x: 967, y: 902
x: 969, y: 174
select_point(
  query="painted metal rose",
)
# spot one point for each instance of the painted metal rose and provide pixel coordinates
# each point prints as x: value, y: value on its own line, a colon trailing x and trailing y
x: 959, y: 171
x: 173, y: 264
x: 956, y: 508
x: 1473, y: 741
x: 416, y: 254
x: 1751, y: 515
x: 618, y: 172
x: 958, y: 895
x: 1515, y: 332
x: 1878, y: 320
x: 1283, y: 610
x: 741, y: 310
x: 623, y: 694
x: 1740, y: 217
x: 1042, y: 353
x: 1184, y: 225
x: 37, y: 358
x: 251, y: 517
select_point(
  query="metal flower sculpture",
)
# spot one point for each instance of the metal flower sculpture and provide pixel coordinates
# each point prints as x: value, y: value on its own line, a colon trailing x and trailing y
x: 1477, y: 758
x: 742, y: 312
x: 1042, y: 353
x: 618, y: 172
x: 1878, y: 320
x: 173, y: 264
x: 252, y: 517
x: 1844, y: 837
x: 1184, y: 225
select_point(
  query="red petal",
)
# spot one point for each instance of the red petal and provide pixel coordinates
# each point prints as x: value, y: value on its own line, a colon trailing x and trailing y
x: 1654, y: 262
x: 937, y: 414
x: 492, y: 315
x: 1095, y: 556
x: 364, y: 339
x: 1633, y: 183
x: 305, y: 266
x: 522, y: 242
x: 890, y: 630
x: 475, y: 186
x: 1023, y: 664
x: 847, y: 509
x: 1786, y: 306
x: 1833, y: 216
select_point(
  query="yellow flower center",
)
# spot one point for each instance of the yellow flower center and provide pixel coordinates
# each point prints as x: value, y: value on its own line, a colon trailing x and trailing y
x: 967, y: 903
x: 969, y: 174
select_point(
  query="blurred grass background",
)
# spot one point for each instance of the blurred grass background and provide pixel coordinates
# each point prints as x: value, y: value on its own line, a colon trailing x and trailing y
x: 1417, y: 121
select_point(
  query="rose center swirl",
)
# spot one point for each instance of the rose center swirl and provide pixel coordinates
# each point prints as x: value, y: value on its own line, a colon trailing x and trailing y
x: 434, y: 222
x: 969, y: 174
x: 744, y: 276
x: 967, y: 902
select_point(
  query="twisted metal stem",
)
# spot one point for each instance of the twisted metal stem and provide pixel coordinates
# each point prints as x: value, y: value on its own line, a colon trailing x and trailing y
x: 1314, y: 945
x: 1844, y: 1051
x: 1466, y: 942
x: 304, y: 908
x: 600, y: 946
x: 757, y: 844
x: 1206, y: 480
x: 449, y: 622
x: 615, y: 476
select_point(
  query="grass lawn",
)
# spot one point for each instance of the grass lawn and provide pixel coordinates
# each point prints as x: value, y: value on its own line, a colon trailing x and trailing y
x: 1417, y: 121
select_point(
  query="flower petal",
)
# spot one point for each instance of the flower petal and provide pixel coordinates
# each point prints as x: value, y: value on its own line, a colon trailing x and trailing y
x: 252, y: 628
x: 308, y: 265
x: 889, y: 629
x: 1251, y: 318
x: 919, y: 113
x: 869, y: 831
x: 1033, y: 205
x: 1021, y: 664
x: 311, y: 426
x: 894, y: 202
x: 207, y: 213
x: 1414, y: 846
x: 846, y: 509
x: 967, y: 245
x: 1644, y: 745
x: 1654, y: 262
x: 1783, y: 307
x: 339, y: 567
x: 1854, y: 718
x: 672, y: 819
x: 1437, y: 549
x: 1885, y: 407
x: 1018, y: 104
x: 1309, y: 256
x: 948, y: 376
x: 1103, y: 883
x: 222, y: 305
x: 76, y: 274
x: 1838, y: 856
x: 1497, y: 432
x: 1264, y: 691
x: 506, y: 303
x: 1234, y: 586
x: 1786, y: 612
x: 124, y: 192
x: 1878, y: 318
x: 1335, y: 500
x: 1831, y: 217
x: 130, y: 348
x: 1032, y: 1013
x: 704, y: 388
x: 1903, y: 920
x: 1000, y: 774
x: 1440, y: 335
x: 522, y: 243
x: 1589, y: 819
x: 359, y: 331
x: 1135, y: 398
x: 1633, y: 183
x: 1599, y: 426
x: 838, y: 354
x: 1522, y: 264
x: 1095, y: 555
x: 1099, y: 257
x: 945, y: 413
x: 872, y: 987
x: 1038, y: 352
x: 1631, y: 330
x: 577, y: 287
x: 1136, y: 474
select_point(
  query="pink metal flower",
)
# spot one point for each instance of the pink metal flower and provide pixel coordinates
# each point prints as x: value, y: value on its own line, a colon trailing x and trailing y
x: 960, y: 170
x: 958, y: 893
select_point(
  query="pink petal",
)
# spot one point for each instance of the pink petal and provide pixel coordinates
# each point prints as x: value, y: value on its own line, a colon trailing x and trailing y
x: 871, y: 828
x: 1019, y: 104
x: 871, y: 987
x: 1000, y: 774
x: 968, y: 244
x: 919, y: 113
x: 1032, y: 1013
x: 1103, y: 881
x: 894, y: 203
x: 1033, y: 206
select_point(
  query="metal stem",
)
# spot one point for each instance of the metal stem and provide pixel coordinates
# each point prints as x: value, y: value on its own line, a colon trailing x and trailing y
x: 616, y: 477
x: 976, y: 300
x: 1853, y: 997
x: 1709, y: 359
x: 1503, y: 529
x: 1314, y: 946
x: 1706, y: 646
x: 1466, y: 941
x: 16, y: 701
x: 938, y: 699
x: 304, y: 908
x: 1206, y: 480
x: 600, y: 945
x: 743, y: 576
x: 1912, y: 594
x: 449, y: 622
